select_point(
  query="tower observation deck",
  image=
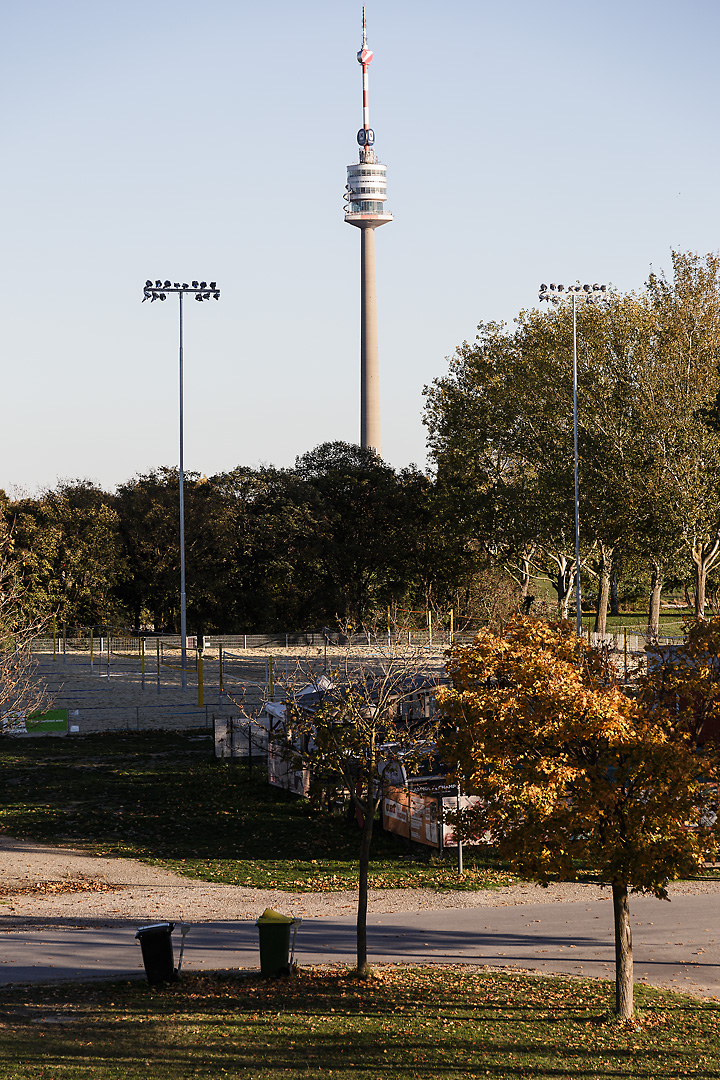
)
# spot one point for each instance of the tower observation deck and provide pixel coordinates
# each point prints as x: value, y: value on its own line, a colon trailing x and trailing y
x: 365, y: 197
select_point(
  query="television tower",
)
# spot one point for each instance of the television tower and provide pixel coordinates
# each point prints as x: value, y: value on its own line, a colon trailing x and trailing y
x: 365, y: 197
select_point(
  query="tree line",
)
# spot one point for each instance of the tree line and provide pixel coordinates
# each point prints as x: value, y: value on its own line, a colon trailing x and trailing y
x: 335, y: 540
x: 500, y: 429
x: 342, y: 536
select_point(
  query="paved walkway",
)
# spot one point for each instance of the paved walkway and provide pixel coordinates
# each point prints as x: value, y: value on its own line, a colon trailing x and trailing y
x: 676, y: 945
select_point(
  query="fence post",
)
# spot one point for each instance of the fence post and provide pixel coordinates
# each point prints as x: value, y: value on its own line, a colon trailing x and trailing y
x: 200, y: 677
x: 64, y: 643
x: 221, y: 671
x: 142, y: 661
x: 54, y: 638
x: 91, y: 648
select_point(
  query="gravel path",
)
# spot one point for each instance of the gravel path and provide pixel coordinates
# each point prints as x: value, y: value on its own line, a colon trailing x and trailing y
x: 43, y: 884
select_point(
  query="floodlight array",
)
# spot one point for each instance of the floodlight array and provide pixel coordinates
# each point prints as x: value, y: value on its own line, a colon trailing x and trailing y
x: 591, y: 294
x: 158, y: 290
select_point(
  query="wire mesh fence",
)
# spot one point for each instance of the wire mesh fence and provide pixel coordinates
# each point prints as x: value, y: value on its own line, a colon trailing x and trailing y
x: 133, y: 682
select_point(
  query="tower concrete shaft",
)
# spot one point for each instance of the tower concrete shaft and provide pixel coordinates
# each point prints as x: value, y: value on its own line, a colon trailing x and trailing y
x: 365, y: 197
x: 370, y: 432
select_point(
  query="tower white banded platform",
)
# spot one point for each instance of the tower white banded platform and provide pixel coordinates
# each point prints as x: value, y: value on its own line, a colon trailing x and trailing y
x: 365, y: 197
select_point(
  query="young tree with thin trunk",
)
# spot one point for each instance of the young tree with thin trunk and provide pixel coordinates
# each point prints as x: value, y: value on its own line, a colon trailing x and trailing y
x: 20, y: 691
x: 573, y: 775
x: 354, y: 726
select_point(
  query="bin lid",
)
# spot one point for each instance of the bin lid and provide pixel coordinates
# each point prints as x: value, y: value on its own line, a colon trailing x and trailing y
x: 270, y: 916
x: 167, y: 927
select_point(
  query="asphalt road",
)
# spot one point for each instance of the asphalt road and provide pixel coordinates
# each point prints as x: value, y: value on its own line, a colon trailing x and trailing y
x: 676, y: 945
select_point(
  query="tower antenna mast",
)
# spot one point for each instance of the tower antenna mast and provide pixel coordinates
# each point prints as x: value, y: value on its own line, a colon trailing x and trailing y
x: 365, y: 197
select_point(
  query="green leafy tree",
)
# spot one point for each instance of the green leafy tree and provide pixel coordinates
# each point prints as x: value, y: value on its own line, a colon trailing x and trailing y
x: 572, y: 773
x: 68, y: 546
x: 357, y: 547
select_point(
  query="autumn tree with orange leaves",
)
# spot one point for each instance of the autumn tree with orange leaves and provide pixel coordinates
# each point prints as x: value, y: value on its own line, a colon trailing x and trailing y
x: 573, y: 774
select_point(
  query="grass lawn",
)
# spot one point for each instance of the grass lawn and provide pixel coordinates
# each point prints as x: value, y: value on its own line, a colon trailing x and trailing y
x: 404, y: 1023
x: 163, y: 798
x: 671, y: 622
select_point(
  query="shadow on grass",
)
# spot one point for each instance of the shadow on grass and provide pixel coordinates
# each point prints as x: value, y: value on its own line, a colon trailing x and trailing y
x: 163, y: 796
x: 405, y: 1023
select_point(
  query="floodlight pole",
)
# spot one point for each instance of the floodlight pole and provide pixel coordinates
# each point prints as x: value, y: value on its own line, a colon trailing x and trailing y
x: 578, y: 601
x: 591, y: 295
x: 183, y: 604
x: 201, y: 291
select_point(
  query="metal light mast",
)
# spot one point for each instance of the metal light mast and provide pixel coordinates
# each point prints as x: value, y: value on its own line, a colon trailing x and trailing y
x: 365, y: 197
x: 201, y: 291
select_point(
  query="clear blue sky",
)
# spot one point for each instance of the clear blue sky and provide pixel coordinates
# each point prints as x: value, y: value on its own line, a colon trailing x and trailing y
x: 524, y: 142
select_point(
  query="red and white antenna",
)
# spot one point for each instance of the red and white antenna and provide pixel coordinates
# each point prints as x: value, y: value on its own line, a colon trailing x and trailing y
x: 364, y: 57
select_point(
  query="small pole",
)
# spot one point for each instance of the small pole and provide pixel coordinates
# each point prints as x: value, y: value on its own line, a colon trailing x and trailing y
x: 625, y: 649
x: 249, y: 750
x: 64, y: 639
x: 200, y: 677
x: 108, y: 653
x: 220, y: 663
x: 452, y: 625
x: 272, y: 678
x: 91, y: 648
x: 157, y: 646
x: 142, y: 660
x: 54, y: 638
x: 459, y: 841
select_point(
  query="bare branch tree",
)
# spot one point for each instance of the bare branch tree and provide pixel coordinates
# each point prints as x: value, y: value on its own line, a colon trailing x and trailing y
x: 350, y: 728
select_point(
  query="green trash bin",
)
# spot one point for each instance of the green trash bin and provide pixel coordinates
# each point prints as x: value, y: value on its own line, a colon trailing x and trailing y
x: 274, y: 931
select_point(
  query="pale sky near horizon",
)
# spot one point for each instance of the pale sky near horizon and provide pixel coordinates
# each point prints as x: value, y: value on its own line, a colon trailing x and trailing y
x: 525, y: 142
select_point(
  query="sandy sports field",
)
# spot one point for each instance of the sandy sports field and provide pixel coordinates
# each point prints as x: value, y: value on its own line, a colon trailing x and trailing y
x: 117, y: 695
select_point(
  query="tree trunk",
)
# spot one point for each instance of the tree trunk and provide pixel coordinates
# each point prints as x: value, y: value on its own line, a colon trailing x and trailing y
x: 526, y: 568
x: 367, y: 831
x: 656, y: 584
x: 700, y: 578
x: 614, y: 602
x: 603, y: 590
x: 563, y: 583
x: 704, y: 557
x: 623, y: 951
x: 600, y: 626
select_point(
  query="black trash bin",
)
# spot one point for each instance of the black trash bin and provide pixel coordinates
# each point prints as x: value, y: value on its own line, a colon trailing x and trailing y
x: 157, y: 951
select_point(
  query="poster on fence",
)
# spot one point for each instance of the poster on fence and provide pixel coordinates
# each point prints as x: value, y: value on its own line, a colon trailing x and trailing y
x: 413, y: 816
x: 53, y: 722
x: 450, y: 805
